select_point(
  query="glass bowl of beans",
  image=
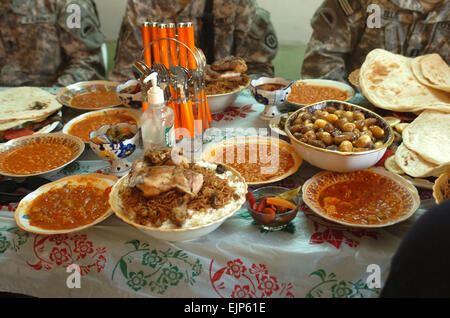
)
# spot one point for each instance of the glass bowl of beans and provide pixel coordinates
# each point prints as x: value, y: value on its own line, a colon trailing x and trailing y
x: 339, y: 136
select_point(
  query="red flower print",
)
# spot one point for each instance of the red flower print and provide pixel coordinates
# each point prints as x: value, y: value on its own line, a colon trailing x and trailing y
x: 261, y: 269
x: 268, y: 285
x: 58, y: 239
x: 101, y: 262
x: 232, y: 112
x: 59, y: 256
x: 241, y: 292
x: 235, y: 268
x: 83, y: 248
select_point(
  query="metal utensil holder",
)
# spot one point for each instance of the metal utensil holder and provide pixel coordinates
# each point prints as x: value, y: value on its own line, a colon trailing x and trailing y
x: 182, y: 84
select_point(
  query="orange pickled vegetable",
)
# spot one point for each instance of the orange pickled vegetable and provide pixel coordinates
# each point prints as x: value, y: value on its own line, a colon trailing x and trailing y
x: 281, y: 203
x: 268, y: 215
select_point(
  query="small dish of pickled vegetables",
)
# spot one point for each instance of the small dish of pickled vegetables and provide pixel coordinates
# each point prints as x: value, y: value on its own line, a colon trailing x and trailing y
x: 273, y: 207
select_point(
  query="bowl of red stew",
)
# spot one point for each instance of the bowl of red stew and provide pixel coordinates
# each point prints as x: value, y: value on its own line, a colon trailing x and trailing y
x: 271, y: 208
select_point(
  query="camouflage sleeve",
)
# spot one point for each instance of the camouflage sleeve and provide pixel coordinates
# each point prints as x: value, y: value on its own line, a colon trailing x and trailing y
x: 336, y: 25
x: 247, y: 32
x: 129, y: 45
x: 81, y: 42
x: 258, y: 45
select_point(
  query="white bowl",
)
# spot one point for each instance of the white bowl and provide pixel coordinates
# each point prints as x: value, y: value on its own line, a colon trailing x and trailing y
x: 267, y: 97
x: 322, y: 82
x: 75, y: 143
x: 171, y: 235
x: 336, y: 160
x: 219, y: 103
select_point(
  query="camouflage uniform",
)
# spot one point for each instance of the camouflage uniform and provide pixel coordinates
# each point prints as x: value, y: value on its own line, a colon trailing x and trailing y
x: 341, y: 39
x: 241, y: 29
x: 38, y: 47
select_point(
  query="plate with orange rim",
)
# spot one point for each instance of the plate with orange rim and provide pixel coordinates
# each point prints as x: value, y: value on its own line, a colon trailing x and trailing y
x: 370, y: 198
x: 260, y: 160
x: 67, y: 205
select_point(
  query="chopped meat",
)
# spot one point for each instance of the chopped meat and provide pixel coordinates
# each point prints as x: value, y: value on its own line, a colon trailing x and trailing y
x: 230, y: 63
x: 179, y: 214
x: 160, y: 179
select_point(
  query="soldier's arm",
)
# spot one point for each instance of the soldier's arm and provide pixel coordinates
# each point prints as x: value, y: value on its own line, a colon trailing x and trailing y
x: 256, y: 40
x: 336, y: 28
x: 81, y: 43
x: 129, y: 45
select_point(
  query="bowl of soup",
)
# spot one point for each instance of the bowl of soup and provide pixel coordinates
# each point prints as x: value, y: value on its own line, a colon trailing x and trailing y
x: 311, y: 91
x: 270, y: 91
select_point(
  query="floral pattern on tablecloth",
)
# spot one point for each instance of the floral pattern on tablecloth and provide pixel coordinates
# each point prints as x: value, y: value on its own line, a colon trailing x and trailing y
x: 331, y: 286
x: 238, y: 280
x: 333, y: 233
x: 155, y: 270
x: 234, y: 112
x: 12, y: 239
x: 63, y: 250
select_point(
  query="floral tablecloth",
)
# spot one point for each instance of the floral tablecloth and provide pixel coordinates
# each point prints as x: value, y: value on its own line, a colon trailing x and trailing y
x: 310, y: 258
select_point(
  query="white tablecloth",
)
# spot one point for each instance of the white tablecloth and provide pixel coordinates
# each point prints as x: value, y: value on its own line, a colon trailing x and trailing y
x: 310, y: 258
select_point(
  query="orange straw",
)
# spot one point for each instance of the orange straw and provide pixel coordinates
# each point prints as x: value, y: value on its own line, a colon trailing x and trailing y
x: 155, y: 45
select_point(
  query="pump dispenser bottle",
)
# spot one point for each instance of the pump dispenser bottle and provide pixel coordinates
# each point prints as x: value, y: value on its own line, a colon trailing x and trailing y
x: 157, y: 122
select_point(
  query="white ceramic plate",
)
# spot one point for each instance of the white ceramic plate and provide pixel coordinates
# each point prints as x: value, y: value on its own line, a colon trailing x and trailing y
x: 321, y: 82
x: 128, y: 111
x: 210, y: 153
x: 66, y: 94
x: 46, y: 129
x: 407, y: 193
x: 75, y: 143
x: 21, y: 215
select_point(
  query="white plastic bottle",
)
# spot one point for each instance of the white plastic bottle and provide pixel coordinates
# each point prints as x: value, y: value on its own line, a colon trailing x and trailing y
x: 157, y: 122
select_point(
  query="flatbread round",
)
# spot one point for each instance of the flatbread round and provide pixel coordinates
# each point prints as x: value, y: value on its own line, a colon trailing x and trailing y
x: 441, y: 188
x: 414, y: 165
x: 438, y: 72
x: 26, y: 103
x: 429, y: 136
x: 387, y: 81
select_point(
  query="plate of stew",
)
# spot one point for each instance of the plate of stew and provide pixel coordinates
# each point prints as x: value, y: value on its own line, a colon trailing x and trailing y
x: 82, y: 125
x: 311, y: 91
x: 259, y: 160
x: 39, y: 154
x: 67, y: 205
x: 90, y: 95
x: 369, y: 198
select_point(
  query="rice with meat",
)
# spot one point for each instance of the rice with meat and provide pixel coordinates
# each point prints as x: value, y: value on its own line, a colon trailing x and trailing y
x: 220, y: 194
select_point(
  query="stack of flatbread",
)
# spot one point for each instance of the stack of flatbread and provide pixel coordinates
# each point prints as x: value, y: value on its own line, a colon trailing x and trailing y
x: 402, y: 84
x: 26, y: 110
x: 425, y: 150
